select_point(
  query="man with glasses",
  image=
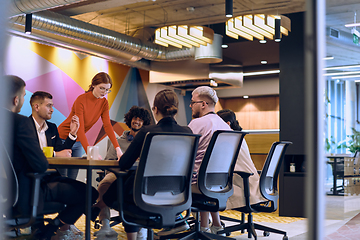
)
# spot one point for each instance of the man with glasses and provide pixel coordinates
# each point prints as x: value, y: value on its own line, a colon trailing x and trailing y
x: 205, y: 122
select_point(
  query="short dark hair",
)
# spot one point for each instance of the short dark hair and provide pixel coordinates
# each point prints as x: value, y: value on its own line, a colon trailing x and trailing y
x: 39, y: 96
x: 16, y: 84
x: 139, y: 112
x: 229, y: 116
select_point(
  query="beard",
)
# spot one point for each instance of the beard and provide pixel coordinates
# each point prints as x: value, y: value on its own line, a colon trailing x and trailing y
x: 196, y: 115
x: 135, y: 129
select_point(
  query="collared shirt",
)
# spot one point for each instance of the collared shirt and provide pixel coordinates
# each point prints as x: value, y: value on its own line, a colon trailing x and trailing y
x: 41, y: 133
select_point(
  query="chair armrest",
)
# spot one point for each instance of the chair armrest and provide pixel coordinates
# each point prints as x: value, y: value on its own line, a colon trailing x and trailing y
x: 120, y: 198
x: 245, y: 176
x: 118, y: 172
x: 35, y: 195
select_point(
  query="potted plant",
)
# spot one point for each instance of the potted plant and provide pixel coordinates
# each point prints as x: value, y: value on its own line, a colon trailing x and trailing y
x: 354, y: 142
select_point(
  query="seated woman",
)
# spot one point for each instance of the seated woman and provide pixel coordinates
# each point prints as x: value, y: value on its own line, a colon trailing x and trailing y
x: 164, y: 108
x: 243, y: 163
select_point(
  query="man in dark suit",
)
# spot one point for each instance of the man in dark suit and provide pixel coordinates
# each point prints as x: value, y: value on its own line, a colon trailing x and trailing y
x: 27, y: 157
x: 48, y: 135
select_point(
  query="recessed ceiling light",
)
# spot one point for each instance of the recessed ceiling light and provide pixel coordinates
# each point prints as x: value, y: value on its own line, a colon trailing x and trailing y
x: 245, y: 96
x: 278, y: 40
x: 263, y: 62
x: 342, y: 77
x: 342, y: 67
x: 260, y: 73
x: 262, y: 41
x: 352, y: 25
x: 224, y: 46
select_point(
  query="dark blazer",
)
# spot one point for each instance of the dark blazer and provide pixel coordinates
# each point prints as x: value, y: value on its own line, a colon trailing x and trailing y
x: 52, y: 137
x: 26, y: 156
x: 167, y: 124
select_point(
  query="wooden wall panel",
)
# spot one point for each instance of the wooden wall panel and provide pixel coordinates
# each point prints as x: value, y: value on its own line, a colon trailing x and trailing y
x: 258, y: 160
x: 260, y: 143
x: 255, y: 112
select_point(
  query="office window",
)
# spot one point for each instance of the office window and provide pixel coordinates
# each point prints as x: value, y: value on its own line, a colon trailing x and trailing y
x: 335, y: 116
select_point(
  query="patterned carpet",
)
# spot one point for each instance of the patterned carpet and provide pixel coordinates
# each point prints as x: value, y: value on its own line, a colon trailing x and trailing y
x: 258, y: 217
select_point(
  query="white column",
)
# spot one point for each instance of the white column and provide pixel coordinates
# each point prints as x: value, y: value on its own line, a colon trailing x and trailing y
x: 350, y: 98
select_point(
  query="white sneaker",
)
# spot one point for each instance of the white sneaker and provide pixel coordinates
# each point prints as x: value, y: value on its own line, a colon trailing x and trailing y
x: 106, y: 230
x: 142, y: 234
x: 67, y: 235
x: 215, y: 229
x: 205, y: 229
x: 75, y: 230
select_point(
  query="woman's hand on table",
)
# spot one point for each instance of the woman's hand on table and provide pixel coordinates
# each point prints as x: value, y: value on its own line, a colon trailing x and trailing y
x: 118, y: 153
x: 63, y: 153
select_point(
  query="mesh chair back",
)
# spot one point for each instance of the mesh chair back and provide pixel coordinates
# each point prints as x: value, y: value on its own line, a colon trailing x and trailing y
x: 10, y: 196
x: 217, y: 166
x: 163, y: 176
x: 270, y: 172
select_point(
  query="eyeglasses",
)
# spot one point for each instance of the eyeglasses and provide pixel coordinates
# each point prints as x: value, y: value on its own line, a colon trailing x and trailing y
x: 105, y: 90
x: 193, y: 102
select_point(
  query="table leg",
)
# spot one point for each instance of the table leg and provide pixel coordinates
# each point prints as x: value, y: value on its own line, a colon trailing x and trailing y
x: 88, y: 203
x: 335, y: 177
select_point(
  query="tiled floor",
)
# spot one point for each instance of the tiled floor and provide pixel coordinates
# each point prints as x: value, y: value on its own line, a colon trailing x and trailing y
x: 342, y: 222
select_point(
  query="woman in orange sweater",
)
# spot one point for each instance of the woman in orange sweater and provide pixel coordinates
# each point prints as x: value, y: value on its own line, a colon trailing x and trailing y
x: 89, y: 107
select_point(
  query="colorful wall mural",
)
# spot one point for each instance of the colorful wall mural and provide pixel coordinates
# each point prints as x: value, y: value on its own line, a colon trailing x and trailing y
x: 66, y: 75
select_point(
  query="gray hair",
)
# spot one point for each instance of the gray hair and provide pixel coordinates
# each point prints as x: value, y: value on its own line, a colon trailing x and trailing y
x: 208, y: 92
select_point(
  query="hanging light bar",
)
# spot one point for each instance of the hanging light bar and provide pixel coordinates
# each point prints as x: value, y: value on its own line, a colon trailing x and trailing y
x: 183, y: 36
x: 257, y: 26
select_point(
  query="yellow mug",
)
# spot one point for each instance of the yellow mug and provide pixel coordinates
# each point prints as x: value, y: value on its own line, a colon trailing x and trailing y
x: 48, y: 151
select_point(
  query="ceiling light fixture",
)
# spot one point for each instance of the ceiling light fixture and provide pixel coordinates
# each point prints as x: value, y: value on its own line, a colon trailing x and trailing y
x: 263, y: 62
x: 341, y: 73
x: 262, y: 41
x: 228, y: 8
x: 258, y: 26
x: 342, y: 77
x: 224, y: 46
x: 245, y: 96
x: 260, y: 73
x: 352, y: 25
x: 341, y: 67
x: 328, y: 58
x: 183, y: 36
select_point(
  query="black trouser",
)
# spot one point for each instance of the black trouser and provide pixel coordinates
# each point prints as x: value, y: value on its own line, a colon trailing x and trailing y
x: 70, y: 192
x: 112, y: 193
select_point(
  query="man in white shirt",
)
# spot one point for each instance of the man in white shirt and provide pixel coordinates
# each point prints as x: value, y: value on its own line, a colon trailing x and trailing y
x: 48, y: 135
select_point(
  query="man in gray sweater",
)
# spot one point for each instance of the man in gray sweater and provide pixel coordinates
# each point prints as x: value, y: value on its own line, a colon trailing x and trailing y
x: 135, y: 118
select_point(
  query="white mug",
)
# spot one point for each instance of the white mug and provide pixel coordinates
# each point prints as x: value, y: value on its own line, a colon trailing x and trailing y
x: 92, y: 153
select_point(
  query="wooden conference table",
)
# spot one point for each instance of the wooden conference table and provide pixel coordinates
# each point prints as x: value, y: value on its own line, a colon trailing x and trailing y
x: 88, y: 165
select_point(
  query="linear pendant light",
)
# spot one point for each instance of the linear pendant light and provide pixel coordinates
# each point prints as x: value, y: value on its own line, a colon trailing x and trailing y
x: 183, y: 36
x: 258, y: 26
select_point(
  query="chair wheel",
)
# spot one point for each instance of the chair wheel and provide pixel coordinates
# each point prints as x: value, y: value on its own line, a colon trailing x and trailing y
x: 285, y: 238
x: 266, y: 233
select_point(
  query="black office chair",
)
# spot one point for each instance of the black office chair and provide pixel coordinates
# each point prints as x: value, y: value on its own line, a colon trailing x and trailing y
x: 268, y: 188
x: 214, y: 180
x: 9, y: 198
x: 162, y: 187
